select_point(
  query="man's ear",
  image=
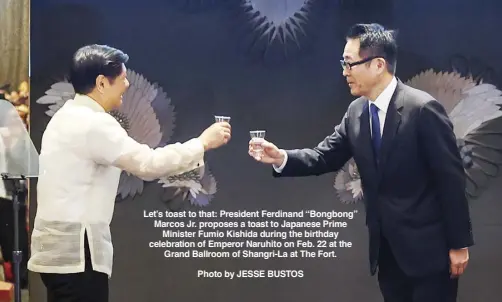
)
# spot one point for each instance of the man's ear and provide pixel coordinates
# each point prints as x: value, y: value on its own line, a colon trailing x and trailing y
x: 381, y: 63
x: 100, y: 83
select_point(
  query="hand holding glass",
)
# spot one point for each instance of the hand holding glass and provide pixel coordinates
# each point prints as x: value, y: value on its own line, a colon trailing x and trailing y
x: 257, y: 139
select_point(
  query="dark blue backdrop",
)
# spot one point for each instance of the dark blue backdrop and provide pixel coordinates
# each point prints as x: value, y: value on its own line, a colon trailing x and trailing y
x: 197, y: 56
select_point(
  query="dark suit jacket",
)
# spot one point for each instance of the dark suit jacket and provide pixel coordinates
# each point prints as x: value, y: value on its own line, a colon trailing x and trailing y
x: 415, y: 196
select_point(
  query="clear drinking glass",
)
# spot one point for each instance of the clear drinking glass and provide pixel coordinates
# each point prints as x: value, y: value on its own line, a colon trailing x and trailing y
x: 221, y: 118
x: 257, y: 139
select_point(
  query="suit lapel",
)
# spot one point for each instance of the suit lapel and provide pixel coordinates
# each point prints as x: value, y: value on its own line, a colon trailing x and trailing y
x: 392, y: 123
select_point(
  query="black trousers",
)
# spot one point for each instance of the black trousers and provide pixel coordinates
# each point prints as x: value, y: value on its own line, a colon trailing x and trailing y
x: 396, y: 286
x: 89, y: 286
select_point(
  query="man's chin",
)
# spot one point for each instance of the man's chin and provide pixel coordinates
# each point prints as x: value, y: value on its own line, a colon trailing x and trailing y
x: 355, y: 92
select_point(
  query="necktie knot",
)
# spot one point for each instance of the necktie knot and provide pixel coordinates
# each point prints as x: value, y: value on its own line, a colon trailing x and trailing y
x: 374, y: 109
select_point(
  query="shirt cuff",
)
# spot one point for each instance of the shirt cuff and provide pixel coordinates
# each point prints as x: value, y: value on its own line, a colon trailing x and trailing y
x: 281, y: 167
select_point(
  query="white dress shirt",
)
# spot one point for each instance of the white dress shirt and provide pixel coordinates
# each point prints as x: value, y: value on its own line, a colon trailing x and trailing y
x: 382, y: 102
x: 83, y: 152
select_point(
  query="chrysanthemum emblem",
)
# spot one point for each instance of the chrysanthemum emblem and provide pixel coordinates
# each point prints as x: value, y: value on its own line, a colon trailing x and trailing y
x: 470, y: 106
x: 276, y: 28
x: 198, y: 186
x: 348, y: 183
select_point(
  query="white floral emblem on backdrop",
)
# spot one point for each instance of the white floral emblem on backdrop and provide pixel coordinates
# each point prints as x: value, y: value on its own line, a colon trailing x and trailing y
x: 277, y: 29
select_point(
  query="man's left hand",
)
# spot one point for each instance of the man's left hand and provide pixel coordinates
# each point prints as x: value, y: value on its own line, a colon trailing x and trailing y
x: 458, y: 261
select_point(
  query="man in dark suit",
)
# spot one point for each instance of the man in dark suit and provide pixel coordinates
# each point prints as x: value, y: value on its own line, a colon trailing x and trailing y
x: 411, y: 171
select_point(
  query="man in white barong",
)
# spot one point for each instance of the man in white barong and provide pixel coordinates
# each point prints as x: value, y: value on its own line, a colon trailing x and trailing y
x: 84, y: 150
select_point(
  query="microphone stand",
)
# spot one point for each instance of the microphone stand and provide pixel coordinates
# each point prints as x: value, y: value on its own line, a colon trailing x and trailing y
x: 18, y: 192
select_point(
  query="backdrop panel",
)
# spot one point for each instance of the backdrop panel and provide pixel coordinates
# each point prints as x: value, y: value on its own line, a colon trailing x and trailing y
x: 205, y: 57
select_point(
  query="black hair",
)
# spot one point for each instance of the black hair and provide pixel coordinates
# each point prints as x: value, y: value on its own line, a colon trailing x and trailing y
x: 93, y: 60
x: 375, y: 40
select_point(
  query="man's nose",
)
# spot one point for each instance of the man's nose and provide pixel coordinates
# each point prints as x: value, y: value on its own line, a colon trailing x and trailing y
x: 345, y: 72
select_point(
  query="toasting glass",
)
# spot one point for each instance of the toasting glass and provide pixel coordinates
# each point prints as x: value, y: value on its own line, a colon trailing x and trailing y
x: 221, y: 118
x: 257, y: 139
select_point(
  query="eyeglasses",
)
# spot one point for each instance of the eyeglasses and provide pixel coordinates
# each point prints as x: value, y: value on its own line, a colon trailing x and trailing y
x: 349, y: 66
